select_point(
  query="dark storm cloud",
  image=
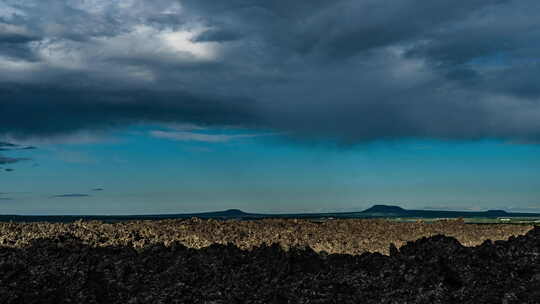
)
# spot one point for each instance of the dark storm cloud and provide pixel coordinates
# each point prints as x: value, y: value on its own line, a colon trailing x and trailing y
x: 15, y: 41
x: 10, y: 38
x: 341, y: 70
x: 68, y: 109
x: 217, y: 36
x: 339, y: 28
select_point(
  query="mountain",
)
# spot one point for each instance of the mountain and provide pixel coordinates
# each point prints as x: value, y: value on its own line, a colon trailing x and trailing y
x: 376, y: 211
x: 230, y: 213
x: 386, y: 209
x: 396, y: 211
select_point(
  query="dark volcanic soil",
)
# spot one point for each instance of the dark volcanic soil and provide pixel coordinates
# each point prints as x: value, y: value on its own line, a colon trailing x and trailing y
x: 148, y: 262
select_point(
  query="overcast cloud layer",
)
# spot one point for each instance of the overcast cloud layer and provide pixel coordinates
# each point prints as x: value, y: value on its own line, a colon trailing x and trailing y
x: 345, y: 70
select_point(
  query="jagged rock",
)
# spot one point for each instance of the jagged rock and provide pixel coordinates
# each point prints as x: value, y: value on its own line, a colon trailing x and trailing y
x: 60, y: 265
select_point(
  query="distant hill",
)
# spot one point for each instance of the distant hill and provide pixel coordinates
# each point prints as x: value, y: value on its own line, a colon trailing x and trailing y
x: 230, y: 213
x: 376, y: 211
x: 396, y: 211
x: 385, y: 209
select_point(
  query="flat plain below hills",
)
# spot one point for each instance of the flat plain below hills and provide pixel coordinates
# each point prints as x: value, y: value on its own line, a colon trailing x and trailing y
x: 344, y: 236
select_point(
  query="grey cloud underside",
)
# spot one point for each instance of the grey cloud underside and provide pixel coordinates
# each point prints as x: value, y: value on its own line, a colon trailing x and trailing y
x: 342, y: 70
x: 61, y: 110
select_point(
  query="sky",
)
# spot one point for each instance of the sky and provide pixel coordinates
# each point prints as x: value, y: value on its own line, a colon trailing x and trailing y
x: 172, y: 106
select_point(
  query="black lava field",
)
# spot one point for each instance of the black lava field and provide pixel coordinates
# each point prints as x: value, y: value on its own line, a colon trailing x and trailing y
x: 436, y: 269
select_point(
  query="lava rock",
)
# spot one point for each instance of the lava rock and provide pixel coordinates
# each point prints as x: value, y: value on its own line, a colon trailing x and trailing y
x: 138, y: 265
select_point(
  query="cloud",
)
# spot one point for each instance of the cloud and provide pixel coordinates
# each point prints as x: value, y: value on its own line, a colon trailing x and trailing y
x: 214, y: 35
x: 112, y: 109
x: 11, y: 160
x: 345, y: 70
x: 4, y: 198
x: 70, y: 195
x: 15, y: 41
x: 210, y: 138
x: 185, y: 127
x: 6, y: 146
x: 11, y: 147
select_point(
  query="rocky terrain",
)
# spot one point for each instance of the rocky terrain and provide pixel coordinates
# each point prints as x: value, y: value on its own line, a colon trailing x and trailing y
x: 269, y: 261
x: 352, y: 236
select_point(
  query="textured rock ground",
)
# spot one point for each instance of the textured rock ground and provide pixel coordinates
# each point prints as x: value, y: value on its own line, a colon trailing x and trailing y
x: 335, y: 236
x: 135, y: 263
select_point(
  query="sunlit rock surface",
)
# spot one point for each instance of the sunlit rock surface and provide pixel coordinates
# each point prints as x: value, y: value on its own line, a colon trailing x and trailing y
x: 151, y: 262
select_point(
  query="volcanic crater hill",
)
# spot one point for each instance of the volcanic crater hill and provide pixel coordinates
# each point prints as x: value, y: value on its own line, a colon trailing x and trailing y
x: 59, y: 265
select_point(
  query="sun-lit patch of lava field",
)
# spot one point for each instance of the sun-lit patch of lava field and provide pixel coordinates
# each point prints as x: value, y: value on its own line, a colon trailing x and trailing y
x: 269, y: 261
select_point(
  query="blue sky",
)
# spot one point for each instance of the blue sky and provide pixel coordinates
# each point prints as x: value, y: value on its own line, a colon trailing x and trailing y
x: 137, y: 172
x: 268, y: 106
